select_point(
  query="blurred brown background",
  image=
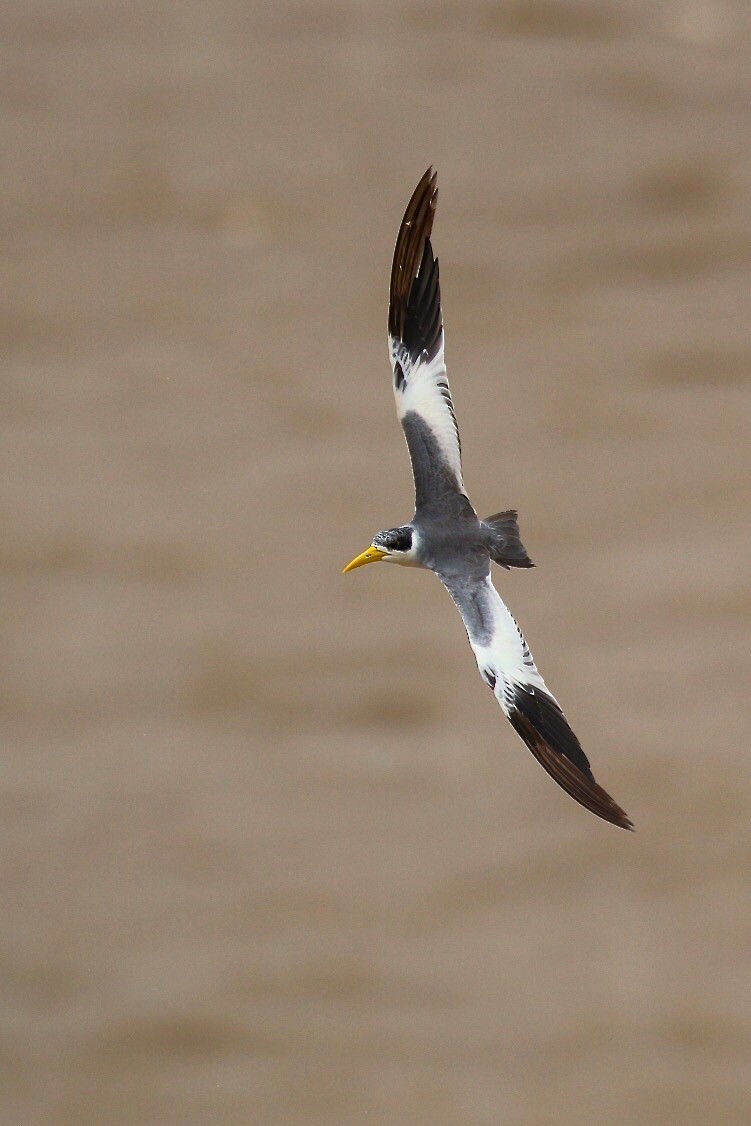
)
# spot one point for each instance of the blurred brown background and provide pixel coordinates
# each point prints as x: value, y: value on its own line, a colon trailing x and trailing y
x: 270, y: 853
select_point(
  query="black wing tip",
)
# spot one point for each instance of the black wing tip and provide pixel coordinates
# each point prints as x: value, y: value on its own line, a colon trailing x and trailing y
x: 538, y: 719
x: 414, y: 295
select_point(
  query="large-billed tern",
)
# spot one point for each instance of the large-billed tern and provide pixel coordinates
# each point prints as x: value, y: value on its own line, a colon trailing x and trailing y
x: 445, y: 535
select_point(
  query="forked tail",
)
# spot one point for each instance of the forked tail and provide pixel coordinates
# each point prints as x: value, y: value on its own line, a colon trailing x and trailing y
x: 503, y: 540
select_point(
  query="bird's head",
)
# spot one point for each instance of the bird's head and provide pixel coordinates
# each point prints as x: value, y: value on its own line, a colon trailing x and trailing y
x: 395, y: 545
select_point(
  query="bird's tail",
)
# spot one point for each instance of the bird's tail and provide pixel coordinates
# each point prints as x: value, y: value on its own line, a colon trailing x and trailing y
x: 503, y: 541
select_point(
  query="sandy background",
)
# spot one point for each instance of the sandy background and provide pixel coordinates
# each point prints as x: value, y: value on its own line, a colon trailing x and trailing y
x: 270, y: 854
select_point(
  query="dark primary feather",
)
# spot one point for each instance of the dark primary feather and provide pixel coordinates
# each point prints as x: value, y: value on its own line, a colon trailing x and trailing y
x: 414, y: 293
x: 542, y: 725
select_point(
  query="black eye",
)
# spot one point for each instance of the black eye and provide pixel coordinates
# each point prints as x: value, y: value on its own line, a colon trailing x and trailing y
x: 402, y: 539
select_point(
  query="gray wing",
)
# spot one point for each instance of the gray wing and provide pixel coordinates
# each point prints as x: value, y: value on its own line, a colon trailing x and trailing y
x: 507, y: 667
x: 423, y: 398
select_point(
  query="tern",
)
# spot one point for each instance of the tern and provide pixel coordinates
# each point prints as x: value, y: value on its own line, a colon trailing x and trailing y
x: 445, y: 534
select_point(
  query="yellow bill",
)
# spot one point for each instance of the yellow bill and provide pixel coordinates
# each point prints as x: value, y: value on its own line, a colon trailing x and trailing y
x: 372, y: 555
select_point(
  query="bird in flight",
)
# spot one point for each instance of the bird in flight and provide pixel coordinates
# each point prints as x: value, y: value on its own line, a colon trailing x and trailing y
x: 445, y: 535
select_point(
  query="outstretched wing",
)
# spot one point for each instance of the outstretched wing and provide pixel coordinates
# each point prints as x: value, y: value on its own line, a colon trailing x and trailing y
x: 423, y: 399
x: 506, y: 665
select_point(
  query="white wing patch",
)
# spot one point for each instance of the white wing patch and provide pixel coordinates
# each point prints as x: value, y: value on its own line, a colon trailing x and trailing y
x: 502, y: 654
x: 423, y: 387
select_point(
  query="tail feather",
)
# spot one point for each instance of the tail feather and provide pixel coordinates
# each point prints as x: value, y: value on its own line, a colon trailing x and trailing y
x: 504, y: 542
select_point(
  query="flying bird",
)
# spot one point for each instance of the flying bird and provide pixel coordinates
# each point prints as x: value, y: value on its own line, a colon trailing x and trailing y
x: 445, y: 534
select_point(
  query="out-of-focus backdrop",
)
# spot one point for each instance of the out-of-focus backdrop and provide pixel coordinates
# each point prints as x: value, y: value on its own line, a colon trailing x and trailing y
x: 270, y: 853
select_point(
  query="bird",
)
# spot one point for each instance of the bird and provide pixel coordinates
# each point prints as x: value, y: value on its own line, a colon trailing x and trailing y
x: 445, y: 534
